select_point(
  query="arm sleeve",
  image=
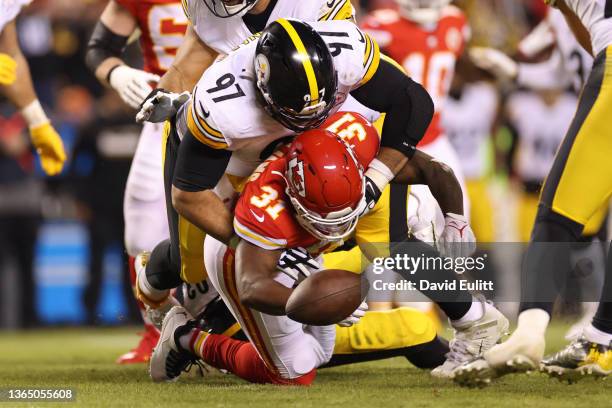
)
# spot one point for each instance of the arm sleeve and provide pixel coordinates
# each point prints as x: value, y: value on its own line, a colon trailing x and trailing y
x: 198, y: 166
x: 408, y: 107
x: 102, y: 45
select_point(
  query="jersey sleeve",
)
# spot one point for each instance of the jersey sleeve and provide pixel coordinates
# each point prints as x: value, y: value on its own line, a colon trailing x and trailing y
x: 256, y: 225
x: 200, y: 123
x: 336, y: 10
x: 356, y: 54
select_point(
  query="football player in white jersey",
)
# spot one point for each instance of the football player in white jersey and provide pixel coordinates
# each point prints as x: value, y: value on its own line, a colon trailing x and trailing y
x: 16, y: 86
x: 577, y: 186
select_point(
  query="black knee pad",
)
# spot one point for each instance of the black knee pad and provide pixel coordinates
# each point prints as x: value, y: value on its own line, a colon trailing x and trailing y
x: 161, y: 272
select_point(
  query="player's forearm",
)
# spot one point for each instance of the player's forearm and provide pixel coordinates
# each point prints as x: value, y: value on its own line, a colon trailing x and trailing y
x: 192, y: 59
x: 440, y: 178
x: 580, y: 32
x: 108, y: 40
x: 205, y: 210
x: 255, y: 271
x: 21, y: 92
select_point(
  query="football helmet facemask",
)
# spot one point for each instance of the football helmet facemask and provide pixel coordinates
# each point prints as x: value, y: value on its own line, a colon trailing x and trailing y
x: 295, y: 75
x: 422, y: 11
x: 325, y: 184
x: 229, y: 8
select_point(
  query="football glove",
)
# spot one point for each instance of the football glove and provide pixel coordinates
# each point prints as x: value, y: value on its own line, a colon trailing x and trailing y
x: 457, y: 239
x: 495, y: 62
x: 8, y: 69
x: 160, y: 106
x: 133, y: 85
x: 50, y: 148
x: 355, y: 316
x: 297, y: 263
x: 372, y: 194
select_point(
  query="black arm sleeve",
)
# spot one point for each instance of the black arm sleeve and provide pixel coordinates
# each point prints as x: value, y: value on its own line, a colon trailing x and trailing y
x: 408, y: 106
x: 103, y: 44
x: 198, y: 167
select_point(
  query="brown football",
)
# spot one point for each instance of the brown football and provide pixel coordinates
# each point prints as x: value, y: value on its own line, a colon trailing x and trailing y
x: 326, y: 297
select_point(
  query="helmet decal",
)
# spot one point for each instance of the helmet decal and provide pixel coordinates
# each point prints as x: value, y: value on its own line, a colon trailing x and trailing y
x: 262, y: 68
x: 296, y: 174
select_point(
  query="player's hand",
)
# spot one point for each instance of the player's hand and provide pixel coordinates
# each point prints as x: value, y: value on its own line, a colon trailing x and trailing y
x: 297, y: 264
x: 8, y: 69
x: 133, y: 85
x: 372, y: 194
x: 495, y: 62
x: 457, y: 239
x: 49, y: 146
x: 355, y: 316
x: 161, y: 105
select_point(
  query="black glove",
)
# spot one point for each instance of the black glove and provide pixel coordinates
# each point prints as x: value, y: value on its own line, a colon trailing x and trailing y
x: 372, y: 194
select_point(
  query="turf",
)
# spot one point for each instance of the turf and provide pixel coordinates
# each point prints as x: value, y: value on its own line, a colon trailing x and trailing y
x: 84, y: 360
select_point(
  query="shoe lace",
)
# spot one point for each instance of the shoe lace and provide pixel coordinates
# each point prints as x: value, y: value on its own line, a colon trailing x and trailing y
x: 459, y: 352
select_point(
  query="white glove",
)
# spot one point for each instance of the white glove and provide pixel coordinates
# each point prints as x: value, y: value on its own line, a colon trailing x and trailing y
x: 457, y: 239
x: 161, y: 105
x: 297, y: 264
x: 355, y: 316
x: 494, y: 61
x: 133, y: 85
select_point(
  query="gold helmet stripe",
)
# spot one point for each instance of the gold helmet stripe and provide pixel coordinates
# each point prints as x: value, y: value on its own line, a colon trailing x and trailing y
x: 299, y: 46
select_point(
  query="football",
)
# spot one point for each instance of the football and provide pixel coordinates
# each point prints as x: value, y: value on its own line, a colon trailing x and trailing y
x: 326, y: 297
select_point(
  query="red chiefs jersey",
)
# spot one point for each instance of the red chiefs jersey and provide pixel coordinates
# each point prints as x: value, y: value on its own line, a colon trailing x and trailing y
x: 162, y: 24
x: 264, y: 215
x: 427, y: 54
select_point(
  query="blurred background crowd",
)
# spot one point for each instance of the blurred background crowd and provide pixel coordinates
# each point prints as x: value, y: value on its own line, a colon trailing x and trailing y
x: 61, y: 239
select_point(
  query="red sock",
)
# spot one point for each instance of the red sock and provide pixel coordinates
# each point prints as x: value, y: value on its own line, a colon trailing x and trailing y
x: 240, y: 358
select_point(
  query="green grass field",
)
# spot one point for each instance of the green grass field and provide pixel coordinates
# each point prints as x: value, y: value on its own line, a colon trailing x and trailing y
x: 84, y: 360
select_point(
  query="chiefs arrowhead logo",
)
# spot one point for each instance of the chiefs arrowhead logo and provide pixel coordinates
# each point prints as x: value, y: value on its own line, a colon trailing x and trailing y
x: 296, y: 175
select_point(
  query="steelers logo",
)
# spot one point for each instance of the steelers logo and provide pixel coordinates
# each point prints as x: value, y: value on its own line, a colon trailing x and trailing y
x: 262, y: 68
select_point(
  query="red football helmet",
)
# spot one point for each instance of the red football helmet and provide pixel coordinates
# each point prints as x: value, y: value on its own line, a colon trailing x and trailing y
x: 325, y: 184
x: 357, y: 132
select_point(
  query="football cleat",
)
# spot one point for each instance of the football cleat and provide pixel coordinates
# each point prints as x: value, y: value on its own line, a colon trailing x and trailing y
x: 142, y: 352
x: 521, y: 353
x: 579, y: 359
x: 472, y: 340
x: 169, y: 359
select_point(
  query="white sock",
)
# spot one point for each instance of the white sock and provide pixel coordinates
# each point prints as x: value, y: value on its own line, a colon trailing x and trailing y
x: 533, y: 321
x: 475, y: 312
x: 597, y: 336
x: 153, y: 294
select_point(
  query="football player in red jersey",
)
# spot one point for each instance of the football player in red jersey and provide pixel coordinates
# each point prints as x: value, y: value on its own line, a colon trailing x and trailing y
x: 307, y: 195
x: 162, y: 25
x: 426, y: 37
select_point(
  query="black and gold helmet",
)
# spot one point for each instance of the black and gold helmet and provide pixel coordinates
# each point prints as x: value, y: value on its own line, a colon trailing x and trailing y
x: 295, y: 74
x: 229, y: 8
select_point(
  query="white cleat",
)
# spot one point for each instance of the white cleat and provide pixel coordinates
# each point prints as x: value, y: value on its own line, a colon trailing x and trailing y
x: 472, y: 340
x: 521, y: 353
x: 168, y: 359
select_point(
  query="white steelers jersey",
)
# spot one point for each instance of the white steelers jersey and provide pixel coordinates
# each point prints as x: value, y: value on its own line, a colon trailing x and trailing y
x: 596, y: 17
x: 540, y: 129
x: 467, y: 122
x: 576, y: 61
x: 225, y: 34
x: 224, y: 111
x: 569, y: 64
x: 9, y: 9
